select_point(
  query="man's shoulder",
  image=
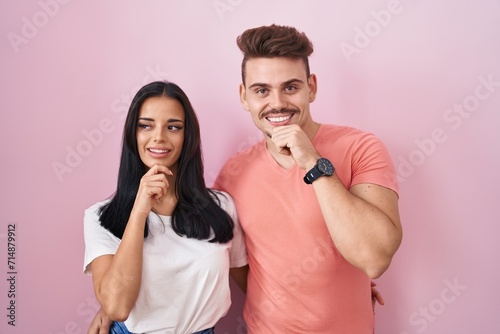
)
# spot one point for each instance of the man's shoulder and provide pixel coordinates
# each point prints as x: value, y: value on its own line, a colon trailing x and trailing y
x: 246, y: 154
x: 342, y: 134
x: 239, y: 164
x: 340, y: 130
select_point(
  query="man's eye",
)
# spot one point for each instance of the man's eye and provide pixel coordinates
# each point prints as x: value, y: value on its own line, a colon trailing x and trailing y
x: 262, y: 91
x: 290, y: 88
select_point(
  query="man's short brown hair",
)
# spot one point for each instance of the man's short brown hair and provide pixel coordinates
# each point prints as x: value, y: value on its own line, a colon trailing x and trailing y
x: 274, y: 41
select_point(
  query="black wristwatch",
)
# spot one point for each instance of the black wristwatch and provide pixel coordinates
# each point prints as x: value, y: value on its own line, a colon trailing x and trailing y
x: 323, y: 167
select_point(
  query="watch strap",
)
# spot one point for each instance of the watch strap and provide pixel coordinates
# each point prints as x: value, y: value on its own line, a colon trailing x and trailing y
x: 312, y: 175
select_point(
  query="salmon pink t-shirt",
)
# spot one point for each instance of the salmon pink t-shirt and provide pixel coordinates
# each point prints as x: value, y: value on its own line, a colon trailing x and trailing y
x: 298, y: 281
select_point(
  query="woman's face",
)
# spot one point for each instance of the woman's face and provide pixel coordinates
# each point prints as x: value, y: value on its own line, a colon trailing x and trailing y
x: 160, y: 131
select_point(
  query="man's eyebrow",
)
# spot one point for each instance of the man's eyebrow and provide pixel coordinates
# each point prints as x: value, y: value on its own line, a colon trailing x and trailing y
x: 284, y: 84
x: 291, y: 81
x: 258, y: 84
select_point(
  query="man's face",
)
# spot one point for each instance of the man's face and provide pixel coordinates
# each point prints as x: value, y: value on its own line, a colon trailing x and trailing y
x: 277, y: 92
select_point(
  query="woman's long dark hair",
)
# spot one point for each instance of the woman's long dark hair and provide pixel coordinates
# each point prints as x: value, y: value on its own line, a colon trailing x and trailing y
x: 197, y: 213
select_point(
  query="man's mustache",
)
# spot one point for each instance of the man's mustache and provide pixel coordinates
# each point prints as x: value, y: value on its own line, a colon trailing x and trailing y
x: 278, y: 111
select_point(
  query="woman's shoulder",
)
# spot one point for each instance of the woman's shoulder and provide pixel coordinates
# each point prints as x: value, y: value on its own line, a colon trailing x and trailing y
x: 93, y: 210
x: 224, y: 200
x: 221, y: 196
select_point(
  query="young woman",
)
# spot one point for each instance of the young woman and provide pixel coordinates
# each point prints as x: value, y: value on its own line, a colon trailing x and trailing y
x: 160, y: 250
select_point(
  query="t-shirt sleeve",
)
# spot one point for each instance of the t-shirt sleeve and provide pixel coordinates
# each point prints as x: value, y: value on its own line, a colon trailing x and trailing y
x: 238, y: 251
x: 372, y: 163
x: 98, y: 240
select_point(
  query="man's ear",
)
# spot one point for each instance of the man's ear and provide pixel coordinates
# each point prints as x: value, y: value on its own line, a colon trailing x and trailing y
x: 312, y: 82
x: 243, y: 97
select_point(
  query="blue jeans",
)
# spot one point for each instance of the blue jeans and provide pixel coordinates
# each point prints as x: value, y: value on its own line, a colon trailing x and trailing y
x: 120, y: 328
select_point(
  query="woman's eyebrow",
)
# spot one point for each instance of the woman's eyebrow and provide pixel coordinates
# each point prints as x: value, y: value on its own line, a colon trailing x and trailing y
x: 170, y: 120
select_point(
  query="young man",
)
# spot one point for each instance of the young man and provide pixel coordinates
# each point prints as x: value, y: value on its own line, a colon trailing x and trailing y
x: 318, y: 203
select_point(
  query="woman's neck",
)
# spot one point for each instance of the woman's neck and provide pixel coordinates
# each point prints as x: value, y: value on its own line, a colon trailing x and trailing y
x: 166, y: 205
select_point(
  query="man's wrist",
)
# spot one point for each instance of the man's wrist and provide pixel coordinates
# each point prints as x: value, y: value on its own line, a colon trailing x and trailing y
x: 311, y: 163
x: 323, y: 167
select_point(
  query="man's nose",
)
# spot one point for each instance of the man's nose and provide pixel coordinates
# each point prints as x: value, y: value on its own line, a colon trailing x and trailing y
x: 278, y: 101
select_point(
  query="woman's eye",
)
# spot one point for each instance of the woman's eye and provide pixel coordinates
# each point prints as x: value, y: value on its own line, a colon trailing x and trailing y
x: 174, y: 128
x: 144, y: 126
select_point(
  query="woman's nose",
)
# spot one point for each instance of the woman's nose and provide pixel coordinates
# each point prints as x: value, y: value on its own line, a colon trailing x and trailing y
x: 159, y: 135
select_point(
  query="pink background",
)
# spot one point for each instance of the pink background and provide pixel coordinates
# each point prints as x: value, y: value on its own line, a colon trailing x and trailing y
x: 415, y: 73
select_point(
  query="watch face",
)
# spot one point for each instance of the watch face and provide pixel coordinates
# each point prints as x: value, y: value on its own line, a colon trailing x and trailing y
x: 325, y: 166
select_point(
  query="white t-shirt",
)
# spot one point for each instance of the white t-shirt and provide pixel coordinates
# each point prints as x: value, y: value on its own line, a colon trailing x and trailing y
x: 185, y: 282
